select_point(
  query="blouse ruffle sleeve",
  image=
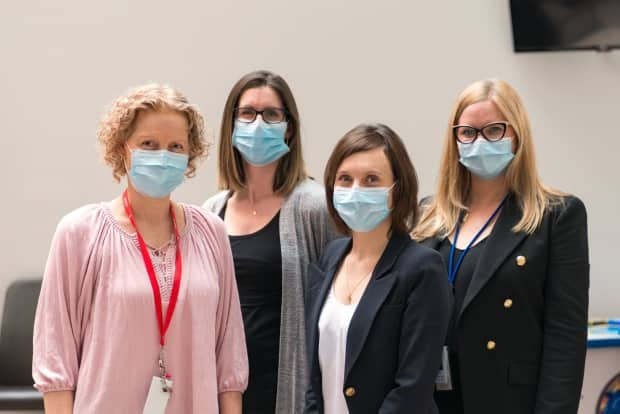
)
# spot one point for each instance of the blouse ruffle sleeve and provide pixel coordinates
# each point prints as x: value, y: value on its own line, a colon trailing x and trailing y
x: 64, y: 303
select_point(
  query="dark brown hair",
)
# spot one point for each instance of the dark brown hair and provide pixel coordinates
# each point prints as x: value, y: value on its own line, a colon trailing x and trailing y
x: 291, y: 168
x: 367, y: 137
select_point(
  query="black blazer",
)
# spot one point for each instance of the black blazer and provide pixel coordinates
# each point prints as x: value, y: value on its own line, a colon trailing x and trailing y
x: 396, y: 335
x: 521, y: 332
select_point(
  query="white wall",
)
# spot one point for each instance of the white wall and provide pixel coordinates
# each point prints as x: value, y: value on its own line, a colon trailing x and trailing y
x: 398, y: 62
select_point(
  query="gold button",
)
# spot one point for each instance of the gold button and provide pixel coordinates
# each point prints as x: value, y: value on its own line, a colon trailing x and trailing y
x: 521, y: 260
x: 491, y: 345
x: 508, y: 303
x: 349, y: 392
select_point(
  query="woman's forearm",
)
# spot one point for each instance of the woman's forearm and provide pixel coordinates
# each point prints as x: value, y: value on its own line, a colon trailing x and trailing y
x: 58, y: 402
x: 230, y: 402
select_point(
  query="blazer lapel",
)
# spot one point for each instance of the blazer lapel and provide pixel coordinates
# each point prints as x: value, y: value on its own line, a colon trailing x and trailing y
x: 373, y: 297
x: 502, y: 242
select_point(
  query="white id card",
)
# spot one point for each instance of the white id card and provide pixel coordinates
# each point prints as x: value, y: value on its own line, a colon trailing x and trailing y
x: 157, y: 399
x: 444, y: 378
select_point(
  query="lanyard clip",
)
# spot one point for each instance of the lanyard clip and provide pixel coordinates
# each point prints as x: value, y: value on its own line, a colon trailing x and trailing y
x: 166, y: 385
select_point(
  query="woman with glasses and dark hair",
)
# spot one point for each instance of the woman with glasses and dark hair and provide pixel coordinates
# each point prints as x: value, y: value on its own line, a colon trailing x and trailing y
x: 378, y: 303
x: 277, y: 223
x: 517, y: 258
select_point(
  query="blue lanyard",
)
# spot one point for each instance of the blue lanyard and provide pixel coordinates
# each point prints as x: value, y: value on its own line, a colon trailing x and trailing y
x: 452, y: 268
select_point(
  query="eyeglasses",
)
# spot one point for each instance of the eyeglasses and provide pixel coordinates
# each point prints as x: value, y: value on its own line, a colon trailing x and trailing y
x: 491, y: 132
x: 247, y: 114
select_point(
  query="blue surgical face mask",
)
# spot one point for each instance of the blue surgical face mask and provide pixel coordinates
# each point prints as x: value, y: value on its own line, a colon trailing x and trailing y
x: 260, y: 143
x: 486, y: 159
x: 157, y: 173
x: 362, y: 209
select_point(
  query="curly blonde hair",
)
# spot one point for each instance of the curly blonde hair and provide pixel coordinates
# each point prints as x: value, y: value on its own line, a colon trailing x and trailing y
x: 119, y: 122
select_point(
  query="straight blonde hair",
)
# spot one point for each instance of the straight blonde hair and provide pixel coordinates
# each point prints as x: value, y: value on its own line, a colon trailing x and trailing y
x: 440, y: 214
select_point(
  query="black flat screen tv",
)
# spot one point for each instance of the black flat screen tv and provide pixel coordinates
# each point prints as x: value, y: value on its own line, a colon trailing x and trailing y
x: 542, y: 25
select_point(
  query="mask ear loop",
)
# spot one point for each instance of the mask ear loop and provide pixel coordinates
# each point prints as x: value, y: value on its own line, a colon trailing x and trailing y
x: 125, y: 159
x: 287, y: 138
x: 388, y: 191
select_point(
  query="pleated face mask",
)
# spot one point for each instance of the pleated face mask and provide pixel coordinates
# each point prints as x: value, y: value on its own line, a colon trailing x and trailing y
x: 156, y: 174
x: 260, y: 143
x: 362, y: 209
x: 486, y: 159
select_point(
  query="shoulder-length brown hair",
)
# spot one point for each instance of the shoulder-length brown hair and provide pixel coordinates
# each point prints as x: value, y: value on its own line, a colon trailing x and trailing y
x: 291, y: 168
x: 367, y: 137
x: 441, y: 214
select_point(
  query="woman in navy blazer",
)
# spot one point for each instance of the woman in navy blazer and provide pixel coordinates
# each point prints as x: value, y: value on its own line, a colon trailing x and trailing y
x: 378, y: 303
x: 517, y: 254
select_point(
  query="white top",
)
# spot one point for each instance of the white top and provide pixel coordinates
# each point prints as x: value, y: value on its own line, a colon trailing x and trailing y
x: 334, y: 324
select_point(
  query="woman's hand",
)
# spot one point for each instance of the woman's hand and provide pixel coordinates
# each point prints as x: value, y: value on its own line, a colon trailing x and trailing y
x: 230, y: 402
x: 58, y: 402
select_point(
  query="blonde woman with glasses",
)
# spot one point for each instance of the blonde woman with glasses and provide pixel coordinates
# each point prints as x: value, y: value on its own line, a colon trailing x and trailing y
x: 517, y: 258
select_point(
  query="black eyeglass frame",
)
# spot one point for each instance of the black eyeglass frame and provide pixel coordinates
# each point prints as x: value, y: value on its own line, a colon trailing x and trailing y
x: 480, y: 132
x: 257, y: 113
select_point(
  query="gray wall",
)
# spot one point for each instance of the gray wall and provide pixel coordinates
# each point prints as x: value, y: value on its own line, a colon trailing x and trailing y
x: 398, y: 62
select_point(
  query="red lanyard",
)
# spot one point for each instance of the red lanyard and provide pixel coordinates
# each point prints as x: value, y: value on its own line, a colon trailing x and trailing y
x: 163, y: 327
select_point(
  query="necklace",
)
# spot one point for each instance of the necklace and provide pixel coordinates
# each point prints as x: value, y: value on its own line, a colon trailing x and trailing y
x: 253, y: 203
x: 252, y: 208
x: 352, y: 291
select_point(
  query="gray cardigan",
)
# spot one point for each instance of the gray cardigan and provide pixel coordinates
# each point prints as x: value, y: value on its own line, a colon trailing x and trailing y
x: 305, y: 227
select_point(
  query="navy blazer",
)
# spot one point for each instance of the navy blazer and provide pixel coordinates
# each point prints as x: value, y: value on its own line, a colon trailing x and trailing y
x: 396, y: 334
x: 522, y: 329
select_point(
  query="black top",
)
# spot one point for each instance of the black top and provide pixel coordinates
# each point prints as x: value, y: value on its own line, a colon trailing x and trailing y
x: 258, y: 268
x: 451, y: 402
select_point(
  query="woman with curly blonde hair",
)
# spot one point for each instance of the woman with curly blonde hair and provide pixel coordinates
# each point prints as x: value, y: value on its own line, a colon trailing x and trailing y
x: 138, y: 309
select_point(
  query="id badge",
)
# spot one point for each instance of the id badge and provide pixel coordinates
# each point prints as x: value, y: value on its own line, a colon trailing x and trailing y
x: 157, y: 399
x: 443, y: 382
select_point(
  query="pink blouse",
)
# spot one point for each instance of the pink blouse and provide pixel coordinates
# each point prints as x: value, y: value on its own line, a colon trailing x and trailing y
x: 95, y: 329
